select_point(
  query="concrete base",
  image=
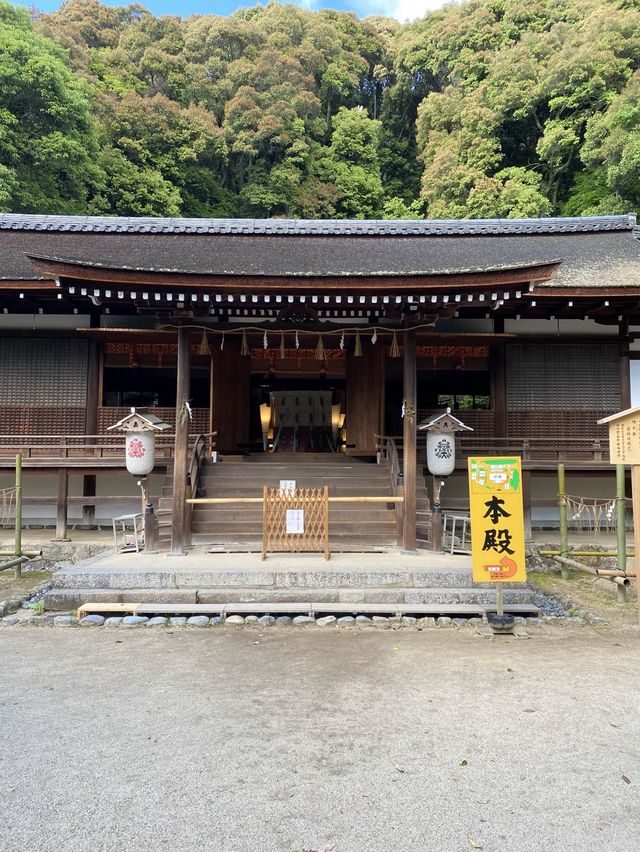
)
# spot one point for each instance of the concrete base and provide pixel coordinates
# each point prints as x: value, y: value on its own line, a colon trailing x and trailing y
x: 201, y: 577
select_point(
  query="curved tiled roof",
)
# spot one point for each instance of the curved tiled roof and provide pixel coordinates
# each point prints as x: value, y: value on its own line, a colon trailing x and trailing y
x: 595, y: 251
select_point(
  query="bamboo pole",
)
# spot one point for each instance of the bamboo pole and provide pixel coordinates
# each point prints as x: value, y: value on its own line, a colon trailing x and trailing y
x: 564, y: 531
x: 621, y: 520
x: 613, y: 572
x: 635, y: 491
x: 621, y: 583
x: 18, y: 518
x: 222, y: 500
x: 606, y: 553
x: 571, y: 563
x: 30, y: 554
x: 16, y: 562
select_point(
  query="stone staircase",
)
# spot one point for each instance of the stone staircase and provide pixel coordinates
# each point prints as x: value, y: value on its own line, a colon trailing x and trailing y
x: 238, y: 527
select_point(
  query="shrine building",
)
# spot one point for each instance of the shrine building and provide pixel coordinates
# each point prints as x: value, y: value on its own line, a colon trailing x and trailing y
x: 309, y: 351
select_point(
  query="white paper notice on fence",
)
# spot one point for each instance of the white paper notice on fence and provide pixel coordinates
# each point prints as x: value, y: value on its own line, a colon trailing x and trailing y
x: 295, y: 521
x: 287, y: 486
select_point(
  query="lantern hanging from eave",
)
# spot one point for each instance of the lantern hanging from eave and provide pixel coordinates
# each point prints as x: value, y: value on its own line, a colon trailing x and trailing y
x: 140, y: 440
x: 441, y: 442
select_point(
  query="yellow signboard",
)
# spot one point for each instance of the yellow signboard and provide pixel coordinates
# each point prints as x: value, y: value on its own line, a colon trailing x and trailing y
x: 497, y: 520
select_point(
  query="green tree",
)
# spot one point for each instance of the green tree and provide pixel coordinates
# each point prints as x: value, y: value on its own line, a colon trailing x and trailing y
x: 48, y: 140
x: 351, y: 164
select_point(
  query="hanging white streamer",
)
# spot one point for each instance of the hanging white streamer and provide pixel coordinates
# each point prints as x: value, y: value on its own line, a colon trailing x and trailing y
x: 222, y: 342
x: 374, y: 336
x: 297, y: 341
x: 342, y: 341
x: 265, y: 342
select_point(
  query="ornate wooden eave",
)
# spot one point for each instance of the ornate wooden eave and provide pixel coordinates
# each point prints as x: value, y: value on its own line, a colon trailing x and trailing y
x: 464, y: 280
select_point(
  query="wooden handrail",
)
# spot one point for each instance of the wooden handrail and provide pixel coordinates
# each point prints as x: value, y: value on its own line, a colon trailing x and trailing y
x: 388, y: 448
x: 72, y: 446
x: 202, y: 442
x: 529, y: 448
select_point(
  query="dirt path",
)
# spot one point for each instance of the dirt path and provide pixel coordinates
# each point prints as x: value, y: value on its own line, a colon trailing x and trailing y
x: 241, y: 740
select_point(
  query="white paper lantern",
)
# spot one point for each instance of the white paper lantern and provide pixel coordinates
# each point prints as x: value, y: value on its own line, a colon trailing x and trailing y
x: 441, y: 453
x: 140, y: 440
x: 140, y: 452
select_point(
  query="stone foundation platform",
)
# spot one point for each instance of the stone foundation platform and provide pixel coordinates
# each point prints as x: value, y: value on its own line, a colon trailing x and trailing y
x: 202, y: 578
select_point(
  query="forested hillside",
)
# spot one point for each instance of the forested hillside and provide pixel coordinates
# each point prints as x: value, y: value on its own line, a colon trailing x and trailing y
x: 488, y: 108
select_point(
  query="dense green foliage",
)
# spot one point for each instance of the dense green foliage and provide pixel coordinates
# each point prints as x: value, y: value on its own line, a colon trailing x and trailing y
x: 487, y: 108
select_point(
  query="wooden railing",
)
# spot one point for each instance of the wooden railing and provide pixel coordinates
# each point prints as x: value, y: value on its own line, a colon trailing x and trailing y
x: 202, y: 449
x: 86, y: 448
x: 58, y: 447
x: 387, y: 450
x: 549, y: 451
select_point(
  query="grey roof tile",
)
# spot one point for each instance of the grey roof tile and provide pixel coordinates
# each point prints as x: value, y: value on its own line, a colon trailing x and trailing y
x: 310, y: 227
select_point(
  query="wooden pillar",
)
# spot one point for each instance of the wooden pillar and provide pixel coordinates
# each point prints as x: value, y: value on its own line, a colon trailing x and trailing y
x: 625, y: 377
x: 62, y: 505
x: 409, y: 440
x: 498, y: 378
x: 179, y: 532
x: 91, y: 424
x: 230, y: 381
x: 365, y: 398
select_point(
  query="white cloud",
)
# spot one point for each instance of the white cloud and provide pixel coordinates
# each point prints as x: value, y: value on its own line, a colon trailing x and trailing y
x: 409, y: 10
x: 402, y: 10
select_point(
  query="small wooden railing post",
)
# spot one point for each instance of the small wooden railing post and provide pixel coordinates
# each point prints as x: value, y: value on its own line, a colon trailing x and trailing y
x: 62, y: 505
x: 400, y: 514
x: 150, y: 529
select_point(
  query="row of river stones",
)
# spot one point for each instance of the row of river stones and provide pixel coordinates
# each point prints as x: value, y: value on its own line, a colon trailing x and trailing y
x: 203, y: 621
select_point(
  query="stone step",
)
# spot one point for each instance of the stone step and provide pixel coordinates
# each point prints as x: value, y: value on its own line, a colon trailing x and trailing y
x: 438, y: 600
x: 170, y: 575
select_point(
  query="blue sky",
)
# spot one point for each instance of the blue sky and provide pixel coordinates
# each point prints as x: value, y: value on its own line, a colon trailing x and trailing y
x: 401, y: 9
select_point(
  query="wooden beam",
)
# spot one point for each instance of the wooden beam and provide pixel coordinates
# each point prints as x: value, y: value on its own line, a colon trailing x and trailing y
x: 409, y: 440
x: 179, y: 532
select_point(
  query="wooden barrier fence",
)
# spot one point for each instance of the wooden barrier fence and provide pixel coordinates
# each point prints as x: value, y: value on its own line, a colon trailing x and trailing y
x: 273, y: 519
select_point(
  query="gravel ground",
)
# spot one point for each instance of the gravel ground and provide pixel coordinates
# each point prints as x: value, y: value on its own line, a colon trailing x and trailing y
x: 237, y: 740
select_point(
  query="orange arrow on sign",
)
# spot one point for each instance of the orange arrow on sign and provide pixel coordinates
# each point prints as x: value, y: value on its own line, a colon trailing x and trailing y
x: 506, y: 568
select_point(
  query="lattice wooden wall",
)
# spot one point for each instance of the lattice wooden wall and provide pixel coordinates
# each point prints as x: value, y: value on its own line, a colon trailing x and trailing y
x: 564, y: 376
x: 561, y: 390
x: 44, y: 386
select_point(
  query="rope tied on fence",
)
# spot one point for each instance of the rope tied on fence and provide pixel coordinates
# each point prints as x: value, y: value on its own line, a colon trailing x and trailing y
x: 591, y: 513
